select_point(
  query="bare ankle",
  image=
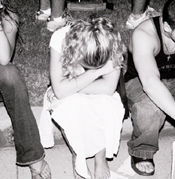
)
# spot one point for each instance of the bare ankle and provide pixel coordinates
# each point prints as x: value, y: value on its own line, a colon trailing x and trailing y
x: 101, y: 165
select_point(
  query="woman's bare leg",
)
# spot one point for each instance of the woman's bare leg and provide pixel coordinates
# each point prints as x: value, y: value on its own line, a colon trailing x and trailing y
x: 76, y: 176
x: 45, y: 4
x: 101, y: 165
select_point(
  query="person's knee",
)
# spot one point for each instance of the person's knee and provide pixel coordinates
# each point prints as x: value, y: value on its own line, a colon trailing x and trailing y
x: 147, y: 113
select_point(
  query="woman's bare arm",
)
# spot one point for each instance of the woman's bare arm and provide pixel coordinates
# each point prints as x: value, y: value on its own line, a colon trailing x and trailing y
x: 62, y: 86
x: 107, y: 84
x: 8, y: 31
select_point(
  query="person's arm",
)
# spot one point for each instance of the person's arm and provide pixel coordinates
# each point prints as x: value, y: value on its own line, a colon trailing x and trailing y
x: 8, y: 31
x: 143, y: 49
x: 107, y: 84
x: 64, y: 87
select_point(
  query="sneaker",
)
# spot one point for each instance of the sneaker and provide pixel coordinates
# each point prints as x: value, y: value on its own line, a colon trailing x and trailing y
x: 43, y: 15
x: 134, y: 21
x: 54, y: 24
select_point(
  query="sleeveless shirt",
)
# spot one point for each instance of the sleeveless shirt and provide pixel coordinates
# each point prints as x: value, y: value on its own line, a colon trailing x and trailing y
x: 165, y: 63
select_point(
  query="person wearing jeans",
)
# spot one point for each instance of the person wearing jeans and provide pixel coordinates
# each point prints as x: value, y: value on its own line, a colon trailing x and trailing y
x: 16, y: 101
x: 14, y: 94
x: 150, y: 85
x: 144, y: 111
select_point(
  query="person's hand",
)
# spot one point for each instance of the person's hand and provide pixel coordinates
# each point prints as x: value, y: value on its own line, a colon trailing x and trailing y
x: 1, y: 10
x: 107, y: 68
x: 50, y: 95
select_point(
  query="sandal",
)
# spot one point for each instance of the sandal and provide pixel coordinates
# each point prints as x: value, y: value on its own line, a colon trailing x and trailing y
x: 44, y: 172
x: 135, y: 160
x: 43, y: 15
x: 54, y: 24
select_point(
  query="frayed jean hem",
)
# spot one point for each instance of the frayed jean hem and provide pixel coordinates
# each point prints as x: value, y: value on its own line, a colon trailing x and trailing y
x: 31, y: 162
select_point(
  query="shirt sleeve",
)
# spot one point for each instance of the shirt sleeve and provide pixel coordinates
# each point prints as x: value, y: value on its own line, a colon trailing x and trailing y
x: 57, y: 38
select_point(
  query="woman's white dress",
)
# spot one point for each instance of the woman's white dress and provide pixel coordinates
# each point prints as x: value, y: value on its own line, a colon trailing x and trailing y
x: 90, y: 122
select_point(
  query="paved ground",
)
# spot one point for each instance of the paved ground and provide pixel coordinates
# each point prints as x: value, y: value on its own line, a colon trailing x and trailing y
x: 59, y: 159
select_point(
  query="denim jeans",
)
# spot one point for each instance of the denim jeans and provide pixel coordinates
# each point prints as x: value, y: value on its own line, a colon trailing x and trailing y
x: 15, y: 97
x: 147, y: 119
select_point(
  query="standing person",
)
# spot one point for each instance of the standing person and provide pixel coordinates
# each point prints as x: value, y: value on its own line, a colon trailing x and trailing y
x: 85, y: 64
x: 13, y: 91
x: 52, y: 11
x: 150, y: 85
x: 140, y: 12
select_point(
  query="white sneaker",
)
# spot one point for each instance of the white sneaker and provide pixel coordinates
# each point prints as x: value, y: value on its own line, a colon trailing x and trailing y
x: 134, y: 21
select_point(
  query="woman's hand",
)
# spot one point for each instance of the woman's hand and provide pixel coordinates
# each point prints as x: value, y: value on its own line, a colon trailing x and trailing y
x: 108, y: 68
x: 51, y: 95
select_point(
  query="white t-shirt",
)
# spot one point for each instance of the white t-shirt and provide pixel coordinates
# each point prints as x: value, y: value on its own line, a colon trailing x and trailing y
x: 57, y: 38
x: 56, y: 43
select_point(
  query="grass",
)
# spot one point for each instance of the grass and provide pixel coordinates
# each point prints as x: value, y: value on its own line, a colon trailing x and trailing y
x: 32, y: 54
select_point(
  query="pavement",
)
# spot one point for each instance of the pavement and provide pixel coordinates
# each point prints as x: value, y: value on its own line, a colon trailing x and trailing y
x: 60, y: 160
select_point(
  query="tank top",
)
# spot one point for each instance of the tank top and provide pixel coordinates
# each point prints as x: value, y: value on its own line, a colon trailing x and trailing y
x: 165, y: 63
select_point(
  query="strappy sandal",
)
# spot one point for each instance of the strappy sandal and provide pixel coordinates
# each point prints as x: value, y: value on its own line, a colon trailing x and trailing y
x: 135, y: 160
x: 43, y: 15
x: 42, y: 173
x: 53, y: 25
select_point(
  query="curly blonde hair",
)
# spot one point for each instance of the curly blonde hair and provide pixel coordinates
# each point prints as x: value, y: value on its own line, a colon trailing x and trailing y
x: 7, y: 8
x: 91, y: 44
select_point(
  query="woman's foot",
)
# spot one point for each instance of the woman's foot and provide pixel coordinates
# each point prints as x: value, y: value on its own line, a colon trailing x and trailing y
x: 76, y: 176
x: 101, y: 166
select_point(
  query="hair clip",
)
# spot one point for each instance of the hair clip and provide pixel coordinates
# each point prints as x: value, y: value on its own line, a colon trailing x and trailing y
x: 95, y: 29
